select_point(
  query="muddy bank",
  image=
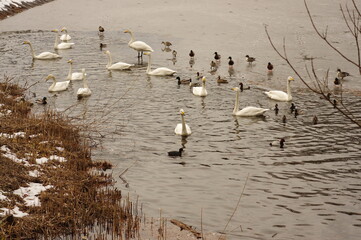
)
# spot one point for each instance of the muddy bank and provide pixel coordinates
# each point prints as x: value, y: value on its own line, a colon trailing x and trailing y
x: 15, y: 7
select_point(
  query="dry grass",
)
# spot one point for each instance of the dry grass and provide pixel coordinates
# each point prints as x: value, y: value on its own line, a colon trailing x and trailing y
x: 82, y: 200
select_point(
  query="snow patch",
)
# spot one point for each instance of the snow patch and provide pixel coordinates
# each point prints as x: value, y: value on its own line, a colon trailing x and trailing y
x: 30, y: 193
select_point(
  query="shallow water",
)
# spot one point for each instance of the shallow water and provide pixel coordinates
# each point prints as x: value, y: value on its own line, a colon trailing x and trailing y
x: 309, y: 189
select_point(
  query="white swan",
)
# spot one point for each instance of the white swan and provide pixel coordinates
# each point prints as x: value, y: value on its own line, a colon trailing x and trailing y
x: 182, y: 128
x: 65, y: 37
x: 139, y: 46
x: 62, y: 45
x: 247, y: 111
x: 43, y: 55
x: 85, y: 90
x: 162, y: 71
x: 201, y: 91
x: 75, y: 75
x: 57, y: 86
x: 280, y: 95
x: 118, y: 65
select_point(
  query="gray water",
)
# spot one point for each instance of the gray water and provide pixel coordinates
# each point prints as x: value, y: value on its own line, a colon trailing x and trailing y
x: 310, y: 189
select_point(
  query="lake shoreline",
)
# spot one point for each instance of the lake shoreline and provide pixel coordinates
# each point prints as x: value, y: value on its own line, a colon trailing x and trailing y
x: 15, y: 8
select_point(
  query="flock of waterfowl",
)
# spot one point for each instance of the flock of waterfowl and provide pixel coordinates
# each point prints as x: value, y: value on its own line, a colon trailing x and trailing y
x: 198, y: 89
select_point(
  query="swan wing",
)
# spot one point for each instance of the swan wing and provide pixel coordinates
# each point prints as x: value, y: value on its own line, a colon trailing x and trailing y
x: 76, y: 76
x: 120, y: 66
x: 251, y: 111
x: 84, y: 92
x: 162, y: 71
x: 141, y: 46
x: 65, y: 37
x: 277, y: 95
x: 199, y: 91
x: 60, y: 86
x: 178, y: 129
x: 47, y: 55
x: 65, y: 45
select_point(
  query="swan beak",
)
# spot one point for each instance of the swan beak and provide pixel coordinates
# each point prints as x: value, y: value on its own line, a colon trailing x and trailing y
x: 290, y: 78
x: 69, y: 61
x: 126, y: 31
x: 25, y: 42
x: 55, y: 30
x: 146, y: 53
x: 203, y: 79
x: 235, y: 89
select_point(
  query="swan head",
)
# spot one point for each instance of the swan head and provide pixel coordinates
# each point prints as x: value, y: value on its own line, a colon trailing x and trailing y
x: 204, y: 79
x: 127, y: 31
x: 146, y: 53
x: 55, y: 30
x: 70, y: 61
x: 64, y: 29
x: 236, y: 89
x: 50, y: 76
x: 26, y: 42
x: 181, y: 111
x: 290, y: 78
x: 106, y: 52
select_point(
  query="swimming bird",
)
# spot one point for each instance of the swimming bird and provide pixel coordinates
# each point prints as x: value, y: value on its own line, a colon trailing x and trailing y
x: 194, y: 84
x: 276, y: 109
x: 75, y: 75
x: 279, y: 143
x: 41, y: 101
x: 249, y: 111
x: 201, y: 91
x: 213, y: 66
x: 62, y: 45
x: 43, y: 55
x: 118, y: 65
x: 191, y: 54
x: 139, y: 46
x: 162, y: 71
x: 284, y: 119
x: 85, y: 90
x: 242, y: 88
x: 293, y: 107
x: 315, y: 120
x: 217, y: 57
x: 176, y: 153
x: 250, y: 59
x: 101, y: 31
x: 57, y: 86
x: 65, y: 37
x: 270, y: 67
x: 102, y: 45
x: 230, y: 62
x: 183, y: 81
x: 167, y: 44
x: 337, y: 81
x: 341, y: 75
x: 199, y: 76
x: 174, y: 53
x: 280, y: 95
x: 221, y: 80
x: 182, y: 128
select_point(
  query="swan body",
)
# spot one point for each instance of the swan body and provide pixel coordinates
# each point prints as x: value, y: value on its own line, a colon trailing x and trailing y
x: 62, y: 45
x: 57, y: 86
x: 162, y: 71
x: 201, y: 91
x: 280, y: 95
x: 75, y: 75
x: 118, y: 65
x: 139, y: 46
x: 182, y: 128
x: 65, y: 37
x: 85, y: 90
x: 247, y: 111
x: 43, y: 55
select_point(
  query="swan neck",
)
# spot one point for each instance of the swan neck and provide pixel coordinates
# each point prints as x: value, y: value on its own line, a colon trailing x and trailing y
x: 131, y: 38
x: 109, y: 60
x: 85, y: 81
x: 236, y: 104
x: 70, y: 70
x: 184, y: 128
x: 56, y: 40
x: 289, y: 90
x: 32, y: 50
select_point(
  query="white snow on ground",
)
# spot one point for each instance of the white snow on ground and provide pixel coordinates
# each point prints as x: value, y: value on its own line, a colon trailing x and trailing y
x: 18, y: 134
x: 5, y: 3
x: 2, y: 196
x: 12, y: 156
x: 30, y: 193
x: 43, y: 160
x: 15, y: 212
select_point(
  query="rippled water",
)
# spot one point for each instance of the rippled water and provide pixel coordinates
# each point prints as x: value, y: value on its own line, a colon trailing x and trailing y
x: 310, y: 189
